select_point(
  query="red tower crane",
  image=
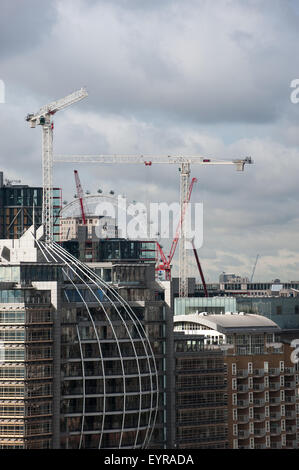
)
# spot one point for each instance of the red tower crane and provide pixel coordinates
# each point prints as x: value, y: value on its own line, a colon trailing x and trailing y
x: 166, y: 261
x: 80, y: 196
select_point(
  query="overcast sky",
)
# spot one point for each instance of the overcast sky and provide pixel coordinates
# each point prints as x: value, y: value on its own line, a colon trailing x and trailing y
x: 194, y: 77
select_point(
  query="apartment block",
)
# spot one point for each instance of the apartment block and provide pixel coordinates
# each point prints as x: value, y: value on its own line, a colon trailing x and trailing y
x: 261, y: 378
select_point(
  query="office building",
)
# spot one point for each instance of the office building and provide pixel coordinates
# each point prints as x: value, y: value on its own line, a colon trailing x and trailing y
x: 21, y: 207
x: 79, y: 370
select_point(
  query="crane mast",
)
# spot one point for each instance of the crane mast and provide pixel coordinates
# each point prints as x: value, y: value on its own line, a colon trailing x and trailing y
x: 254, y: 267
x: 43, y: 118
x: 80, y: 196
x: 183, y: 264
x: 166, y: 262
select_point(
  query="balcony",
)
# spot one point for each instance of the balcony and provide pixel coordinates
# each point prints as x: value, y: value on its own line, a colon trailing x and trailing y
x: 260, y: 446
x: 242, y: 373
x: 242, y: 388
x: 275, y: 431
x: 274, y: 401
x: 274, y: 386
x: 259, y: 417
x: 243, y: 418
x: 290, y: 429
x: 258, y: 387
x: 259, y: 402
x: 276, y: 445
x: 258, y: 372
x: 242, y: 403
x: 289, y: 370
x: 275, y: 416
x: 243, y: 434
x: 259, y: 432
x: 274, y: 372
x: 290, y: 399
x: 290, y: 385
x: 291, y: 444
x: 290, y: 414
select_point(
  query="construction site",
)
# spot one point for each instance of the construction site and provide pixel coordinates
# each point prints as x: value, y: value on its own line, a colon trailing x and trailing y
x: 113, y: 350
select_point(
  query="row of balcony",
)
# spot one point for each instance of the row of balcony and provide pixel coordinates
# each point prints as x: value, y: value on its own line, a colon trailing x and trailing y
x: 243, y: 373
x: 260, y: 387
x: 273, y: 401
x: 260, y: 432
x: 261, y: 416
x: 274, y: 445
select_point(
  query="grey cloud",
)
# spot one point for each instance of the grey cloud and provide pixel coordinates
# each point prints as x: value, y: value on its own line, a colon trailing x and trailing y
x: 196, y: 77
x: 23, y: 25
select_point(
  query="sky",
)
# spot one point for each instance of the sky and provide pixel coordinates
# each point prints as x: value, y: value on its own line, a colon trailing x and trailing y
x: 171, y: 78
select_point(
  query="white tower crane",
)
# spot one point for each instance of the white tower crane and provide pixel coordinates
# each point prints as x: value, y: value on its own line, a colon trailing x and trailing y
x: 185, y: 164
x: 43, y: 118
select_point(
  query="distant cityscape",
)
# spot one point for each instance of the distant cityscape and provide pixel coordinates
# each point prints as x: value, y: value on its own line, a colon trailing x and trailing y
x: 98, y: 349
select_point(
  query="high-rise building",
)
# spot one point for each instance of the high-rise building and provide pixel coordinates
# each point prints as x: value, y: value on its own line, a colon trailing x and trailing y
x: 21, y: 207
x: 200, y: 398
x: 84, y: 360
x: 262, y: 380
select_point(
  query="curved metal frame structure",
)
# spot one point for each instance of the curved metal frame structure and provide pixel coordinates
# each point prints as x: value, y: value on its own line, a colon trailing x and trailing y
x: 77, y: 271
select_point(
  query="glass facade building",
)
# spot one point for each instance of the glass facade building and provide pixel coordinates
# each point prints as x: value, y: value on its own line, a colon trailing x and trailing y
x: 98, y: 250
x: 84, y: 359
x: 186, y: 306
x: 21, y: 206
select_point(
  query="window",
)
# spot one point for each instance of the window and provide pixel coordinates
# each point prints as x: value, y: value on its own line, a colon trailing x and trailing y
x: 234, y: 384
x: 266, y: 382
x: 283, y: 425
x: 235, y: 414
x: 268, y: 444
x: 282, y: 380
x: 251, y: 445
x: 267, y: 414
x: 250, y: 367
x: 267, y: 426
x: 266, y: 365
x: 278, y: 310
x: 234, y: 398
x: 251, y: 413
x: 266, y: 396
x: 234, y: 369
x: 235, y: 429
x: 250, y: 397
x: 283, y: 410
x: 250, y: 382
x: 282, y: 395
x: 281, y: 366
